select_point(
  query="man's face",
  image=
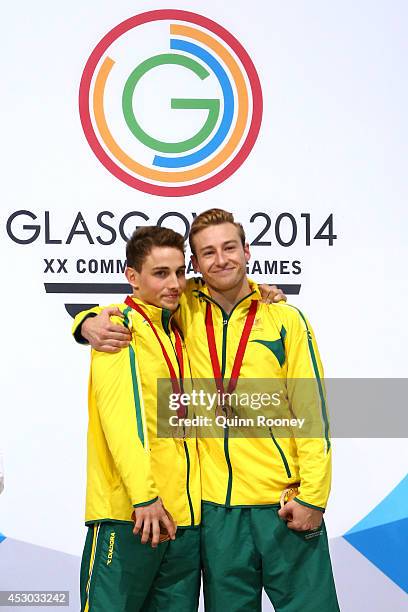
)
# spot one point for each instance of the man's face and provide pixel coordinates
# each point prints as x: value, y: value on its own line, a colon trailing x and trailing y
x: 161, y: 280
x: 220, y: 256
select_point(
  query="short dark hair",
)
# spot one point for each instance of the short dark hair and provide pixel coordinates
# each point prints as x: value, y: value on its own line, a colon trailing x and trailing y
x: 213, y: 216
x: 142, y: 241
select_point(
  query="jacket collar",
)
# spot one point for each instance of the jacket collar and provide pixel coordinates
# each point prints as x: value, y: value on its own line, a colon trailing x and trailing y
x: 254, y: 294
x: 160, y: 317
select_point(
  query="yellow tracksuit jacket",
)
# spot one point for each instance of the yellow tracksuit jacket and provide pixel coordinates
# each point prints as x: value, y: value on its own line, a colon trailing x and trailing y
x: 254, y: 471
x: 127, y: 464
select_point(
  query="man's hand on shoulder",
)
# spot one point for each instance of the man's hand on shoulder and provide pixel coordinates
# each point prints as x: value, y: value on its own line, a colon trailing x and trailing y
x: 103, y: 335
x: 299, y: 517
x: 148, y: 520
x: 271, y: 294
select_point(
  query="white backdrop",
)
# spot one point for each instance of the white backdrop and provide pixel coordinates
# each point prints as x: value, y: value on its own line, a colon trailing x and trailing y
x: 333, y: 140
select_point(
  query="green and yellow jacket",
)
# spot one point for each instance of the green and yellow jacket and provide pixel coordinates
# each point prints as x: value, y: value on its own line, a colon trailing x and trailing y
x: 281, y: 348
x: 253, y: 471
x: 127, y: 464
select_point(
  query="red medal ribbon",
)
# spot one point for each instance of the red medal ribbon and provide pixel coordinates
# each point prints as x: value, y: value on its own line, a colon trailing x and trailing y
x: 212, y: 347
x: 175, y: 382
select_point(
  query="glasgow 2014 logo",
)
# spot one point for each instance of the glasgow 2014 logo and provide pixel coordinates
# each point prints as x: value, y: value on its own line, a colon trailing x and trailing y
x: 150, y: 144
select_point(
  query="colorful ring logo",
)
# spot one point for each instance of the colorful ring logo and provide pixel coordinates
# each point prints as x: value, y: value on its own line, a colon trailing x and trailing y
x: 194, y: 164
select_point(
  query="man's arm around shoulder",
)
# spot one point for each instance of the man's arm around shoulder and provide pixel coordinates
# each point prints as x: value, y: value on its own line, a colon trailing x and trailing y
x: 95, y: 327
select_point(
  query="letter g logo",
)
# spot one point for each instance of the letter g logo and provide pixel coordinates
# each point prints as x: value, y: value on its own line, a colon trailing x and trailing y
x: 164, y: 166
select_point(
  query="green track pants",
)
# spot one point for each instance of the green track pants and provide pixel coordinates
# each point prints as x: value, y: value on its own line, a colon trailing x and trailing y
x: 246, y: 549
x: 119, y: 574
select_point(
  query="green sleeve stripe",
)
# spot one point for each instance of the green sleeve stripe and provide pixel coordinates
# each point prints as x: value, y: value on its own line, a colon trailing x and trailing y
x: 318, y: 379
x: 299, y: 501
x: 136, y: 393
x: 147, y: 503
x: 126, y: 316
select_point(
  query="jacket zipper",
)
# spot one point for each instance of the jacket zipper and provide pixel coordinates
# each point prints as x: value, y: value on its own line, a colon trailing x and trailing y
x: 225, y: 320
x: 226, y: 430
x: 188, y: 484
x: 190, y: 503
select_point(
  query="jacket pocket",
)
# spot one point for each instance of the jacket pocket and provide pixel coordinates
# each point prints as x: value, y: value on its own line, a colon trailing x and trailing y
x: 282, y: 454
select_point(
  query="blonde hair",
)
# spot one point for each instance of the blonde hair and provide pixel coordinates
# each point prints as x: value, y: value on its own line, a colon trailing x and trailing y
x: 213, y: 216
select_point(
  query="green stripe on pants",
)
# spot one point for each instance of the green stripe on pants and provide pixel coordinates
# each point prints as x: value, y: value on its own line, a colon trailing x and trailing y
x: 128, y: 576
x: 245, y: 549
